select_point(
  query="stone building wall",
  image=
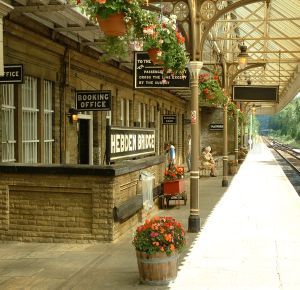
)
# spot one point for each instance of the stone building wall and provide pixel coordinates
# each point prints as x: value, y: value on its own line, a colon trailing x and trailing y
x: 69, y: 204
x: 211, y: 115
x: 69, y: 69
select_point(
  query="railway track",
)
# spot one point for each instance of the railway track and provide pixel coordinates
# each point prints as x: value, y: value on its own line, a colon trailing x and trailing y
x: 289, y: 159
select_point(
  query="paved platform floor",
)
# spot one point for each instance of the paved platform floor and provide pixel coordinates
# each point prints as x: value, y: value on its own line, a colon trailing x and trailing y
x: 250, y: 240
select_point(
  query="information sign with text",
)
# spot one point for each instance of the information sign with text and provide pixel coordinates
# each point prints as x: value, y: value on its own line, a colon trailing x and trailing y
x: 13, y: 74
x: 169, y: 119
x: 148, y: 75
x: 129, y: 143
x: 93, y: 100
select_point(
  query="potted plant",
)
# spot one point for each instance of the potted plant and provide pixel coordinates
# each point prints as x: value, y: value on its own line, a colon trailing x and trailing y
x: 174, y: 182
x: 210, y: 90
x: 231, y: 108
x: 113, y: 16
x: 166, y: 45
x: 158, y: 243
x: 232, y: 167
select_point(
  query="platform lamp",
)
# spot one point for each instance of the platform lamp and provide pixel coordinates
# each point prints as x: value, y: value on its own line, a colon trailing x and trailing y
x: 73, y: 115
x: 243, y: 56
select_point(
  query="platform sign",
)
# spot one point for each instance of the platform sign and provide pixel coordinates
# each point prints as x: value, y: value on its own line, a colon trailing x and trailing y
x: 129, y: 143
x: 216, y: 127
x: 169, y: 119
x: 148, y: 75
x: 93, y: 100
x: 255, y: 93
x: 13, y: 74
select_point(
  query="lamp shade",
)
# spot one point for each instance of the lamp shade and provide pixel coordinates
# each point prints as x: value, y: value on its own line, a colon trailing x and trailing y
x: 243, y: 56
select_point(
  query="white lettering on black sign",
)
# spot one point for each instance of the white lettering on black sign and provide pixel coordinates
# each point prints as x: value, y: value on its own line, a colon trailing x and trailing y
x: 169, y: 119
x: 216, y: 126
x: 148, y: 75
x: 131, y: 142
x: 93, y: 100
x: 13, y: 73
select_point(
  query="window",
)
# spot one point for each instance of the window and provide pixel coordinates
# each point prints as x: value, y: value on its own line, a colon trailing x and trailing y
x: 125, y: 112
x: 142, y: 115
x: 29, y: 120
x: 48, y: 113
x: 8, y: 109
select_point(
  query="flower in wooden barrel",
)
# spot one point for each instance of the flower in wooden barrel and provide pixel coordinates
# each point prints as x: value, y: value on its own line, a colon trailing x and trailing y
x: 158, y: 243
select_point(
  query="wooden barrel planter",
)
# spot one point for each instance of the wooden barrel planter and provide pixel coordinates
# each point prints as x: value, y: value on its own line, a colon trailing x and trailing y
x: 113, y: 25
x: 158, y: 268
x: 152, y: 52
x: 232, y: 169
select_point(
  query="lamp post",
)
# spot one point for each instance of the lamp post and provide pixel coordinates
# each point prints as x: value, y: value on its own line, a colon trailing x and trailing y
x: 243, y: 56
x: 194, y: 218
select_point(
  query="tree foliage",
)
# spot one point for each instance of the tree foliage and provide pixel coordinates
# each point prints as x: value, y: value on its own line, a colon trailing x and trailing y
x: 287, y: 122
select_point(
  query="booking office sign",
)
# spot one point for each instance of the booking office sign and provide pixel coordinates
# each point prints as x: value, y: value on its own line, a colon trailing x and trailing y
x: 93, y: 100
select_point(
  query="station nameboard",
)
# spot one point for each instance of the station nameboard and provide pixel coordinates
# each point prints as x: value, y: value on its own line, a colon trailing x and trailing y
x: 129, y: 143
x: 216, y: 127
x: 148, y: 75
x: 93, y: 100
x: 13, y: 74
x: 255, y: 93
x: 169, y: 120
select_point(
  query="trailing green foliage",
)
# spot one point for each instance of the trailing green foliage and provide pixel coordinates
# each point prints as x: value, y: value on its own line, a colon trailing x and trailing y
x: 286, y: 123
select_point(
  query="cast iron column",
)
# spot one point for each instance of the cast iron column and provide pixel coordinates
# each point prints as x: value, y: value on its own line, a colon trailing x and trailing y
x: 225, y: 150
x: 194, y: 218
x: 236, y: 141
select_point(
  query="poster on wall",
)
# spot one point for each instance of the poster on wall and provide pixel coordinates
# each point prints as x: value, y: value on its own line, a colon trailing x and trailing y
x: 129, y: 143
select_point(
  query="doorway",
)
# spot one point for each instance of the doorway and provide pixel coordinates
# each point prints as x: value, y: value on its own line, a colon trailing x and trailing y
x: 83, y: 142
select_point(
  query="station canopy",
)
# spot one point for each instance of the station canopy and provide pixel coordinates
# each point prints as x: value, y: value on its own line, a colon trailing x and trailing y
x: 268, y: 29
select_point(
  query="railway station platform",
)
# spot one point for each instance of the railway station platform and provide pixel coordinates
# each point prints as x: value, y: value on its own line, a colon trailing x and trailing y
x: 249, y: 240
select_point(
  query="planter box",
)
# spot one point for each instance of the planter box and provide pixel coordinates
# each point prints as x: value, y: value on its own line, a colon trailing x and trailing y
x: 173, y: 187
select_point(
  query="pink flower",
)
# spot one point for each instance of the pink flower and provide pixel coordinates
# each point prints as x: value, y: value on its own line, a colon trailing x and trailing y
x: 153, y: 234
x: 149, y: 30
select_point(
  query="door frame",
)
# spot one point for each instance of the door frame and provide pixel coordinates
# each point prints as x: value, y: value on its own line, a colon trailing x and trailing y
x: 89, y: 116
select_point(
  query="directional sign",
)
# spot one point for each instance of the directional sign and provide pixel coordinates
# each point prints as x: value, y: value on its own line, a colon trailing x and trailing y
x: 148, y: 75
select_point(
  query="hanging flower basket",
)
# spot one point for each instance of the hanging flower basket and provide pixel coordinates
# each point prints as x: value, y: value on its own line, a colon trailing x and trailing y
x: 113, y: 25
x: 153, y: 55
